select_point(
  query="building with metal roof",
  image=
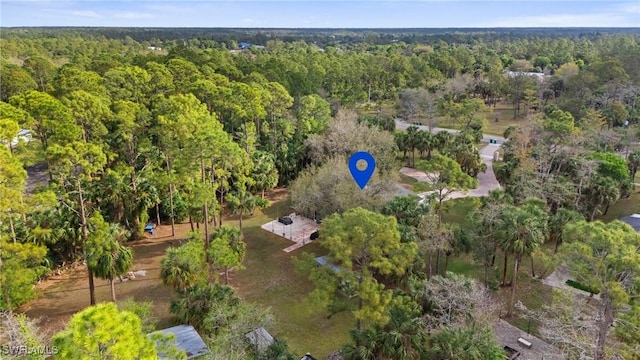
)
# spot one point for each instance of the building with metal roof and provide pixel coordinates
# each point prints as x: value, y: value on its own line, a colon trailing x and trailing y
x: 187, y: 339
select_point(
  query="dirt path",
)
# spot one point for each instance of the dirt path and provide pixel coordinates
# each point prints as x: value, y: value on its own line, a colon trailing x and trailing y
x: 36, y: 175
x: 63, y: 295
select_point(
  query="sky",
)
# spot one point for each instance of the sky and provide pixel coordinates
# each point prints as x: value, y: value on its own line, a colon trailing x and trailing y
x: 321, y: 13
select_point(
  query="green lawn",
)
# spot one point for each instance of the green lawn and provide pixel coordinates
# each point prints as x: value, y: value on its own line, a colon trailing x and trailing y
x: 531, y: 292
x: 504, y: 113
x: 458, y: 210
x: 624, y: 207
x: 407, y: 182
x: 269, y: 279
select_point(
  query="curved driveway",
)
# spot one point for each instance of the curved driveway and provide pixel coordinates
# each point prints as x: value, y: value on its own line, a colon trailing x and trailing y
x: 486, y: 181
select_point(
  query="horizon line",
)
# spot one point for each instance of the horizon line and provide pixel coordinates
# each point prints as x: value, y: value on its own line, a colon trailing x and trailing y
x: 315, y: 28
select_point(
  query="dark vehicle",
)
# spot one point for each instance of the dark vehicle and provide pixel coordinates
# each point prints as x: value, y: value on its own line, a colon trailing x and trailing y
x: 314, y: 235
x: 510, y: 353
x: 285, y: 220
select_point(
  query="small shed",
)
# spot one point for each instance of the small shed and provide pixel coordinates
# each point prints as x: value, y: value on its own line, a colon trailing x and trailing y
x: 633, y: 220
x: 260, y: 339
x: 187, y: 339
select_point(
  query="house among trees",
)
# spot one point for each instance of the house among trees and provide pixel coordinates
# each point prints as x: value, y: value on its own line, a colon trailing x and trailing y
x: 24, y: 135
x: 538, y: 76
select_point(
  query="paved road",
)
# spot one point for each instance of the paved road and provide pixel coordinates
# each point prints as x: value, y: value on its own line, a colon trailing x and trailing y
x: 36, y: 175
x: 401, y: 125
x: 486, y: 181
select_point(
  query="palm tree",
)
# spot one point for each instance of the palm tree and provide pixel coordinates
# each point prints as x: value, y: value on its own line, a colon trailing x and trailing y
x: 110, y: 261
x: 145, y: 196
x: 278, y: 350
x: 366, y: 345
x: 412, y: 141
x: 603, y: 191
x: 196, y: 302
x: 521, y: 230
x: 403, y: 337
x: 401, y: 141
x: 425, y: 142
x: 633, y: 160
x: 243, y: 202
x: 181, y: 268
x: 443, y: 140
x: 464, y: 344
x: 557, y: 222
x: 265, y: 173
x: 106, y: 257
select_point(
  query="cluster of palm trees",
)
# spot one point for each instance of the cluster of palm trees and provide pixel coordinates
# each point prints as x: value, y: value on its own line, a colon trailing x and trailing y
x: 460, y: 147
x: 424, y: 142
x: 516, y: 230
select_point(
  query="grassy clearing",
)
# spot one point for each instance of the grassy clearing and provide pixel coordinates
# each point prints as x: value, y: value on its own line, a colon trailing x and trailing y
x: 269, y: 279
x: 61, y: 296
x: 623, y: 207
x: 407, y: 182
x: 503, y: 112
x: 457, y: 211
x: 530, y: 291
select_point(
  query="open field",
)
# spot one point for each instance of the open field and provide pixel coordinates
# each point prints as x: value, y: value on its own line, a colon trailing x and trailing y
x: 269, y: 279
x: 62, y: 296
x: 623, y: 207
x: 503, y: 112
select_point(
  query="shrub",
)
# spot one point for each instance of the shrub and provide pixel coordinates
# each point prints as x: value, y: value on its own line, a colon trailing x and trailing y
x: 577, y: 285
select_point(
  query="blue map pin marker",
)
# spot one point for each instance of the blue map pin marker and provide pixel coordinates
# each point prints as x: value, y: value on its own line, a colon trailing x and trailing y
x: 362, y: 176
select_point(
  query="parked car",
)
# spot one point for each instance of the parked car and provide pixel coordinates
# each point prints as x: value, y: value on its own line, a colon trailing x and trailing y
x: 285, y: 220
x: 314, y: 235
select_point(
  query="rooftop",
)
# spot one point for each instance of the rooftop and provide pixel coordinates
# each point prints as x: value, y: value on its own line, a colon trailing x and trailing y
x: 260, y: 338
x: 187, y: 339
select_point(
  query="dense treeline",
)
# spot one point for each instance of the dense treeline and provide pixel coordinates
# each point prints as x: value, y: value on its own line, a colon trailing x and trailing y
x: 200, y: 129
x: 324, y: 36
